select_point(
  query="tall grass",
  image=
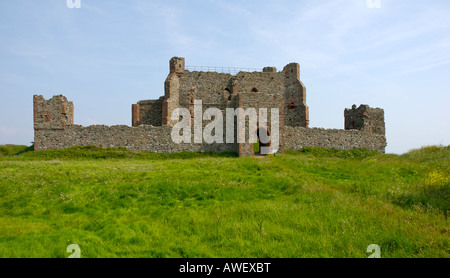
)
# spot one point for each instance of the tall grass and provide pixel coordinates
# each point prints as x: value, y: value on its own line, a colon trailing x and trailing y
x: 6, y: 150
x: 311, y: 203
x: 94, y: 152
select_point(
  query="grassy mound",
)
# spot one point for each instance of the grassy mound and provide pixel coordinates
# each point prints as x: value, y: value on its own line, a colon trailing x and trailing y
x: 6, y: 150
x: 429, y: 153
x: 310, y: 203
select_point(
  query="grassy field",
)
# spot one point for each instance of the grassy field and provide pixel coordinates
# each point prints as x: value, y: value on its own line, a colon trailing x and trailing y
x: 311, y: 203
x: 6, y: 150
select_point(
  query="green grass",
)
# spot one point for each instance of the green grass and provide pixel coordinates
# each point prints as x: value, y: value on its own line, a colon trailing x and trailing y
x: 256, y: 147
x: 309, y: 203
x: 6, y: 150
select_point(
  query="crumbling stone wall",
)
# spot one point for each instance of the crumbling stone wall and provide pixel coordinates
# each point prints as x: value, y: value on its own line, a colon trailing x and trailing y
x: 220, y: 90
x: 296, y: 110
x: 211, y: 87
x: 142, y: 138
x: 54, y: 130
x: 158, y: 139
x: 147, y: 112
x: 365, y: 118
x: 296, y: 138
x: 171, y: 100
x: 54, y: 113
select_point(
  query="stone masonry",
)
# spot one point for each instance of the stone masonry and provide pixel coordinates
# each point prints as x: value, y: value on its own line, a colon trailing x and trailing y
x: 152, y: 119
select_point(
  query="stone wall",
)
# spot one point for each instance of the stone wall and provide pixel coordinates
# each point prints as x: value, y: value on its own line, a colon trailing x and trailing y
x: 141, y: 138
x: 54, y: 129
x: 220, y: 90
x: 54, y: 113
x: 365, y: 118
x: 158, y: 139
x: 256, y: 101
x: 210, y: 87
x: 147, y: 112
x: 297, y: 137
x: 295, y: 108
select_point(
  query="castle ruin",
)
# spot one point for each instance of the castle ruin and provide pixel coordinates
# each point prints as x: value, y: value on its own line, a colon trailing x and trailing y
x: 152, y: 120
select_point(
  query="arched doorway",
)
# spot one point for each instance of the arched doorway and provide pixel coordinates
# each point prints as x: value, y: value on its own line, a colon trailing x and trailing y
x: 260, y: 131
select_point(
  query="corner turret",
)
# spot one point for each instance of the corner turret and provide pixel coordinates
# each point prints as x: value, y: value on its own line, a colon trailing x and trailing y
x: 366, y: 119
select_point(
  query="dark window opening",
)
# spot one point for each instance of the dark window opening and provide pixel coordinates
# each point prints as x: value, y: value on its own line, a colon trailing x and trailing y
x: 292, y: 104
x: 229, y: 93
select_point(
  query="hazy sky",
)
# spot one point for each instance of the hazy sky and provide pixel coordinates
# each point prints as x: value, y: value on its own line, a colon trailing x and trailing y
x: 109, y: 54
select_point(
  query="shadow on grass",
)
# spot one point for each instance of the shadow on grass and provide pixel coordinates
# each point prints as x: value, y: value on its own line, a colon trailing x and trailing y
x: 93, y: 152
x: 323, y: 152
x: 426, y: 197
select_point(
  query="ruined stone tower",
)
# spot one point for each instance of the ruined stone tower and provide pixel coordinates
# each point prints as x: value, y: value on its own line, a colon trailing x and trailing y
x: 267, y: 89
x: 53, y: 114
x: 296, y: 110
x: 222, y: 90
x: 365, y: 119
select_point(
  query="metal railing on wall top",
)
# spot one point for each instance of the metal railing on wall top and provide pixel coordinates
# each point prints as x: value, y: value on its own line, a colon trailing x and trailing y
x: 229, y: 70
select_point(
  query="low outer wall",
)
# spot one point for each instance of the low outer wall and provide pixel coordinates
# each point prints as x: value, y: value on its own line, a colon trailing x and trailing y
x: 141, y: 138
x: 297, y: 137
x: 157, y: 139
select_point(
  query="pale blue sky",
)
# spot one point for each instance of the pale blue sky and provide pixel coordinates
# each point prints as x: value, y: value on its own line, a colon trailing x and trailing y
x: 110, y: 54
